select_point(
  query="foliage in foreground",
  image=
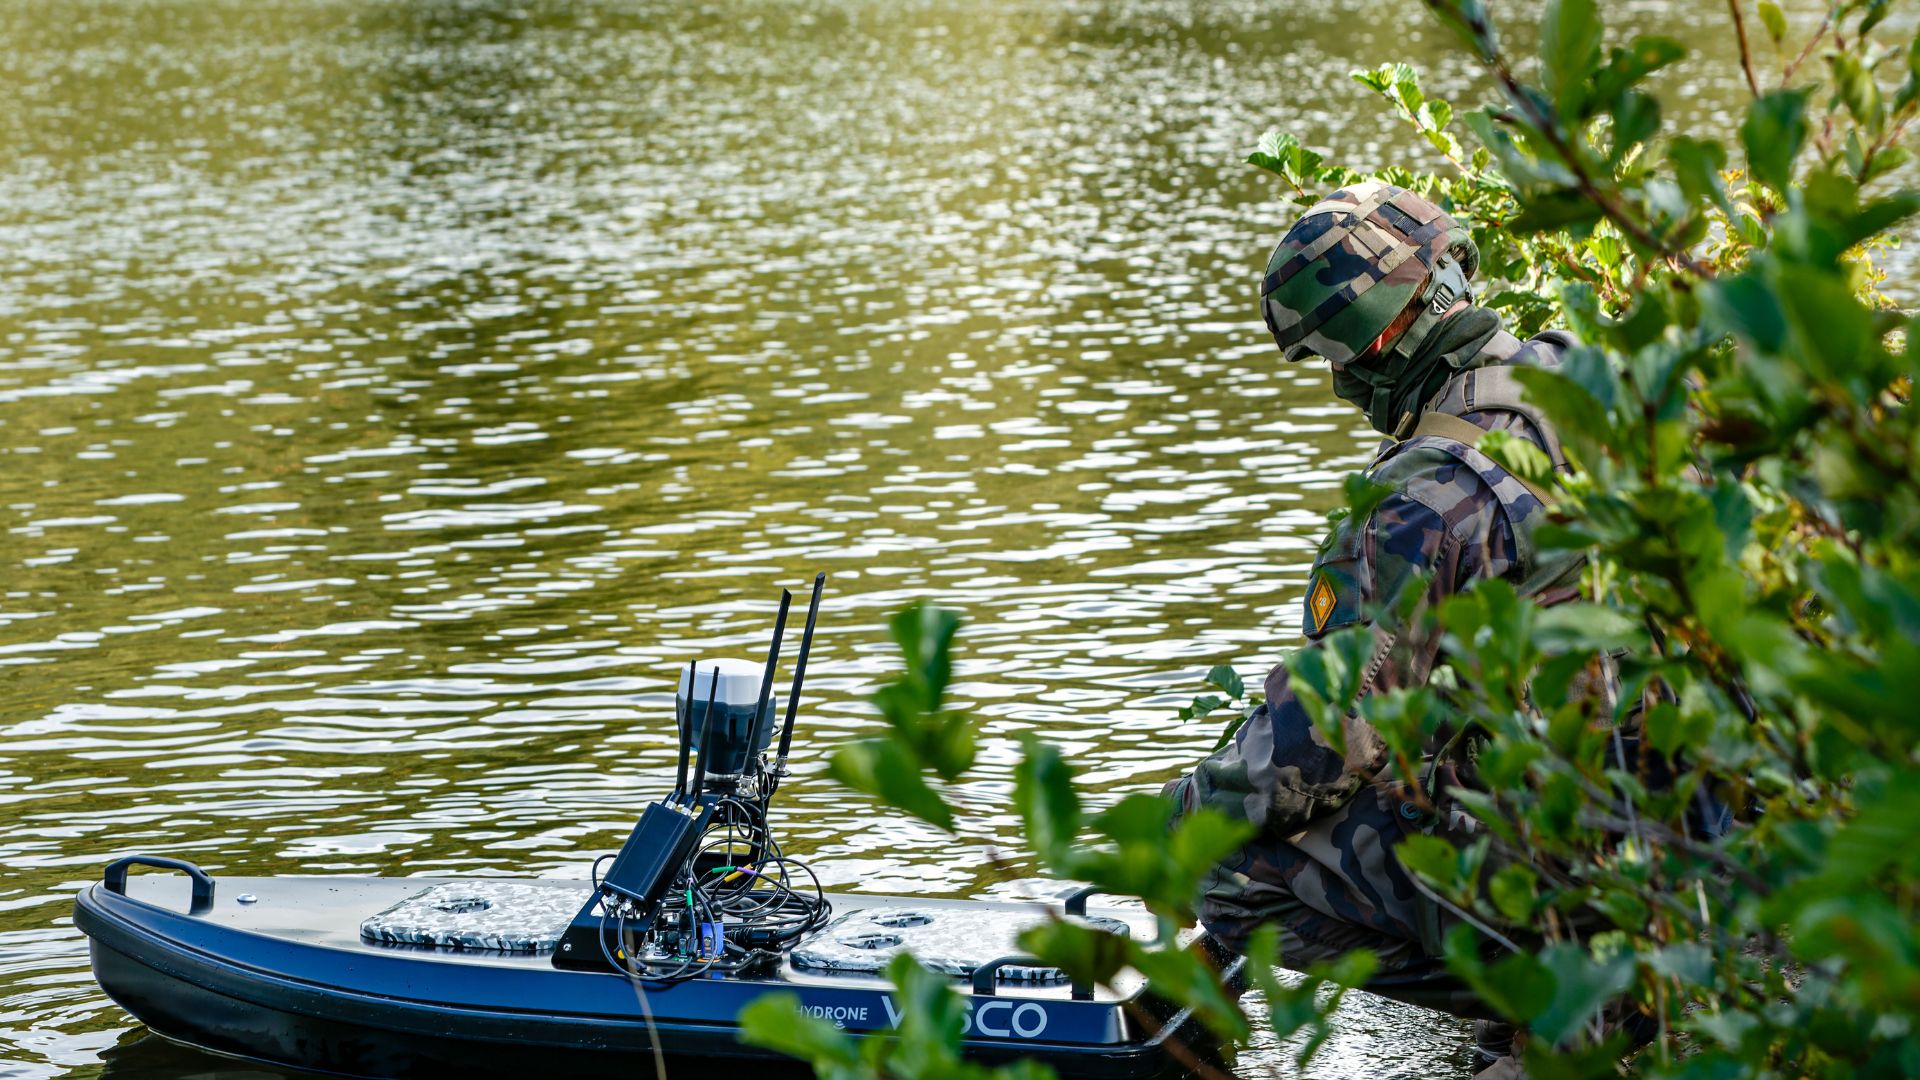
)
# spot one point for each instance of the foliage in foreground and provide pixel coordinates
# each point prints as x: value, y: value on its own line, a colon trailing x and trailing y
x: 1746, y: 491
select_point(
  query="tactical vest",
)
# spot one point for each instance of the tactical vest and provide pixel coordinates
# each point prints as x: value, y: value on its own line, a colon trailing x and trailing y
x: 1333, y: 598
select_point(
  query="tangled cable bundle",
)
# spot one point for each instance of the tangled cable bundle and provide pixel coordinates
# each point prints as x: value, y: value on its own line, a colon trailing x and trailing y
x: 740, y: 902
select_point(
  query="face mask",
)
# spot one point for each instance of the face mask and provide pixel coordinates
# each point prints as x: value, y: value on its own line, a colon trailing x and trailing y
x: 1392, y: 389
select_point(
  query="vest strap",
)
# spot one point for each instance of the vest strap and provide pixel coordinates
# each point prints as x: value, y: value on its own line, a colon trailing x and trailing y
x: 1495, y: 387
x: 1445, y: 426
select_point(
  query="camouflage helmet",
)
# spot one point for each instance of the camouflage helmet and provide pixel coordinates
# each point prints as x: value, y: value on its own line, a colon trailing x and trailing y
x: 1353, y: 262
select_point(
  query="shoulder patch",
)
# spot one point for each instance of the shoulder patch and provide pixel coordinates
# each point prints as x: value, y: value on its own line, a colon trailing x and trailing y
x: 1320, y: 603
x: 1334, y: 586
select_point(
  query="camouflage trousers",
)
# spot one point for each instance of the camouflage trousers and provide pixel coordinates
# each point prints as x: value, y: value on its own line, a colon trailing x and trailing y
x: 1337, y: 886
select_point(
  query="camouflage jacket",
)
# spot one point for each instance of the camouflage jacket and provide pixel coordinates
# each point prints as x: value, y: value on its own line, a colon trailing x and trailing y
x: 1453, y: 516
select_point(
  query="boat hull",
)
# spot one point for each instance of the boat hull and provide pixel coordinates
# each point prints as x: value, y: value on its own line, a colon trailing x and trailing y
x: 286, y: 979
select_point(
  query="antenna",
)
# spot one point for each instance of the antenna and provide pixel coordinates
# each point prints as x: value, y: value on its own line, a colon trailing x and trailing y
x: 766, y: 677
x: 706, y: 731
x: 799, y: 679
x: 682, y: 726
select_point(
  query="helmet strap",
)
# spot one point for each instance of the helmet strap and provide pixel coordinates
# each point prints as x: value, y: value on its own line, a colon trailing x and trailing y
x: 1447, y: 284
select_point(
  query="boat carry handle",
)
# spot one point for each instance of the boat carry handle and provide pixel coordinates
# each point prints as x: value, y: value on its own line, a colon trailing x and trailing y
x: 1077, y: 903
x: 115, y: 878
x: 985, y: 984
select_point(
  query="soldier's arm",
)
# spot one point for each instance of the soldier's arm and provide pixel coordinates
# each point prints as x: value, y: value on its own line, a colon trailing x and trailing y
x: 1279, y: 772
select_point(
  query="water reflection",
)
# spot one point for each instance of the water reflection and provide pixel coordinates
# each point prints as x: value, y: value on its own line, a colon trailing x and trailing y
x: 393, y: 396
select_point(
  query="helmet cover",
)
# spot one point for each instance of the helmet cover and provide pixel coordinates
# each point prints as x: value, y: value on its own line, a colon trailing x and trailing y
x: 1351, y: 264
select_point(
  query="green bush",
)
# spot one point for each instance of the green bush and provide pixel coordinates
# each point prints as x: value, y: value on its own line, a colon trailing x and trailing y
x: 1746, y: 494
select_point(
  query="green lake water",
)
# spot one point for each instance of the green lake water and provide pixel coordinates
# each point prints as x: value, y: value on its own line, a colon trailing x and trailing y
x: 394, y: 395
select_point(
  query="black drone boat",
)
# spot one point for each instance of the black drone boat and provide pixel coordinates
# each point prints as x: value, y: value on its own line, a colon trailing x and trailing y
x: 699, y: 914
x: 288, y: 978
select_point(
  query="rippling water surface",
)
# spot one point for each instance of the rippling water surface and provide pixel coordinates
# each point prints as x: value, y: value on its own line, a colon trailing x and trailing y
x: 393, y: 395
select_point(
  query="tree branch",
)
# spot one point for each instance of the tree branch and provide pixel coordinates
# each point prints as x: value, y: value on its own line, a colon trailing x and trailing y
x: 1786, y: 73
x: 1746, y: 54
x: 1610, y: 206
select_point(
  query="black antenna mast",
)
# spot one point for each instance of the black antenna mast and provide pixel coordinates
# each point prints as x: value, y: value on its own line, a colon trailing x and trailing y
x: 766, y: 678
x: 706, y: 731
x: 799, y: 679
x: 683, y: 727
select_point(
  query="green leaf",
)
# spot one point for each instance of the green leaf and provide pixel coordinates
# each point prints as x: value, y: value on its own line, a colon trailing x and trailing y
x: 931, y: 1012
x: 1599, y: 1061
x: 1231, y: 728
x: 942, y: 742
x: 1729, y: 1028
x: 1281, y: 153
x: 1697, y: 165
x: 1876, y: 10
x: 1582, y: 986
x: 1879, y: 836
x: 1182, y: 975
x: 1871, y: 219
x: 1044, y: 795
x: 1405, y: 719
x: 1746, y: 306
x: 1772, y: 133
x: 1854, y: 86
x: 924, y: 633
x: 1521, y: 169
x: 1139, y: 818
x: 1226, y: 678
x: 1581, y: 420
x: 1084, y: 952
x: 1910, y: 89
x: 1396, y: 82
x: 776, y: 1022
x: 1351, y: 970
x: 1363, y: 494
x: 929, y: 737
x: 1775, y: 21
x: 1553, y: 211
x: 1885, y: 161
x: 1515, y: 986
x: 1833, y: 332
x: 1688, y: 961
x: 1326, y: 678
x: 883, y: 769
x: 1518, y: 456
x: 1864, y: 928
x: 1468, y: 20
x: 1636, y: 116
x: 1583, y: 627
x: 1504, y: 764
x: 1263, y: 961
x: 1201, y: 706
x: 1550, y: 537
x: 1580, y: 303
x: 1569, y: 50
x: 1514, y: 890
x: 1627, y: 67
x: 1431, y: 857
x: 1204, y: 838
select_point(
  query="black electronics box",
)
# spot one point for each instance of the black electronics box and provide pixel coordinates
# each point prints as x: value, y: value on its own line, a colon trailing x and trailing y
x: 657, y: 850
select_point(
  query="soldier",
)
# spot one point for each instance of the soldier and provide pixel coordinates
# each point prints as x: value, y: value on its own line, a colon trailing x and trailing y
x: 1376, y: 279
